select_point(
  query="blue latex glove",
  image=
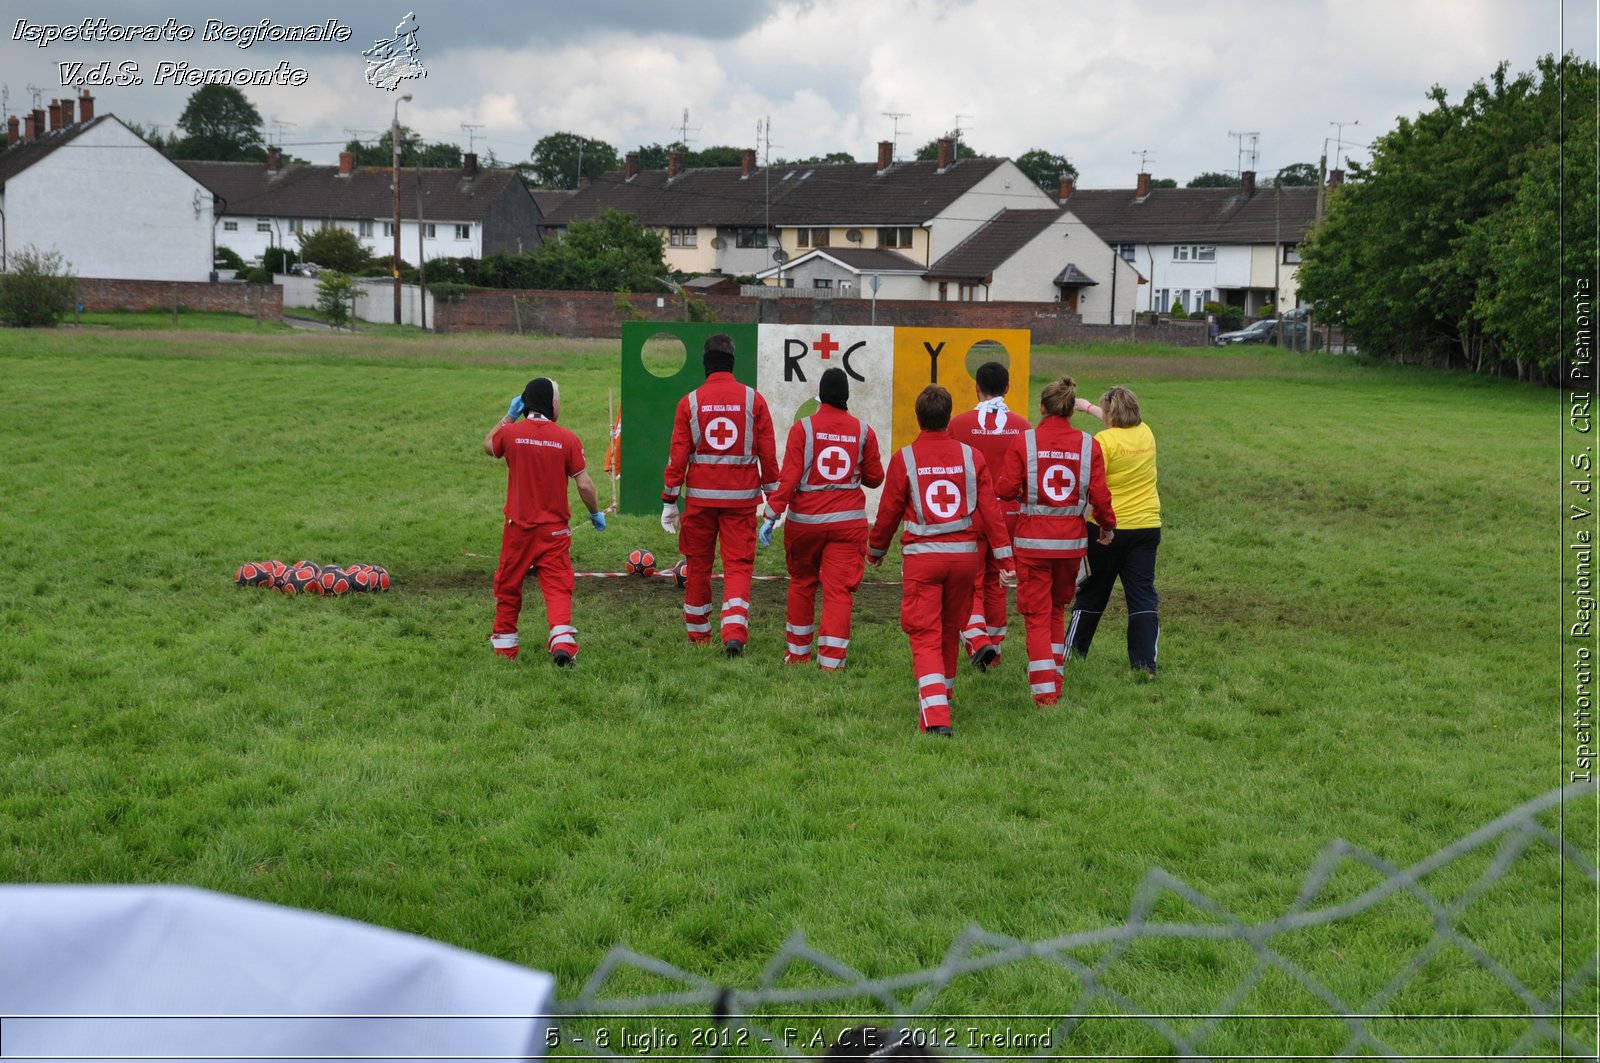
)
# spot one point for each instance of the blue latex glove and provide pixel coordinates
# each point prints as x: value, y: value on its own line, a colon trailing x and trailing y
x: 516, y: 408
x: 598, y: 520
x: 765, y: 534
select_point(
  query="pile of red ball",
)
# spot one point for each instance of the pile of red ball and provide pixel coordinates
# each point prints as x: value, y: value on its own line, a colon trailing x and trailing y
x: 308, y: 577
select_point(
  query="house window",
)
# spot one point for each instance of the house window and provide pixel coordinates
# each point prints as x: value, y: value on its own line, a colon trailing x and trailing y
x: 1201, y: 297
x: 263, y: 225
x: 297, y: 225
x: 1180, y: 252
x: 822, y: 282
x: 1126, y: 251
x: 464, y: 232
x: 944, y: 291
x: 819, y: 237
x: 1160, y: 297
x: 430, y: 230
x: 1291, y: 255
x: 899, y: 236
x: 364, y: 228
x: 750, y: 238
x: 969, y: 292
x: 683, y: 237
x: 803, y: 237
x: 1205, y: 253
x: 788, y: 282
x: 388, y: 228
x: 230, y: 226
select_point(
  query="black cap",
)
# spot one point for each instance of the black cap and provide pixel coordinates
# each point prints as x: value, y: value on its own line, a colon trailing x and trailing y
x: 719, y: 353
x: 834, y: 389
x: 540, y: 397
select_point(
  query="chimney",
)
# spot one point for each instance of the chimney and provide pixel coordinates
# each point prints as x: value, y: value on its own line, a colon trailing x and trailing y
x: 1144, y: 186
x: 1335, y: 178
x: 55, y: 116
x: 1247, y: 182
x: 632, y: 166
x: 469, y: 164
x: 1067, y: 187
x: 38, y: 123
x: 66, y: 113
x: 85, y: 107
x: 11, y: 130
x: 674, y: 163
x: 946, y: 152
x: 885, y: 155
x: 747, y: 163
x: 29, y: 129
x: 274, y: 159
x: 347, y: 163
x: 584, y: 182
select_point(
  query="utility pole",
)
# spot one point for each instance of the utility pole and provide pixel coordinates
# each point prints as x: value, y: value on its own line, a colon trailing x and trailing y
x: 394, y: 142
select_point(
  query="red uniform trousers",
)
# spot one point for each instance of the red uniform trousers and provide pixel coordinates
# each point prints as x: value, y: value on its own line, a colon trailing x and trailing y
x: 987, y: 623
x: 1045, y: 586
x: 834, y: 555
x: 702, y: 529
x: 547, y: 550
x: 935, y: 596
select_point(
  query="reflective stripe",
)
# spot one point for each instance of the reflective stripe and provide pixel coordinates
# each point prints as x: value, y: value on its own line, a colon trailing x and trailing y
x: 799, y: 649
x: 833, y: 643
x: 935, y: 700
x: 909, y: 460
x: 702, y: 629
x: 827, y: 518
x: 670, y: 492
x: 720, y: 459
x: 968, y: 547
x: 738, y: 619
x: 828, y: 487
x: 1042, y: 688
x: 503, y: 642
x: 1042, y: 666
x: 735, y: 603
x: 830, y: 662
x: 1003, y: 554
x: 1023, y: 543
x: 997, y: 631
x: 767, y: 489
x: 703, y: 492
x: 697, y: 610
x: 694, y: 418
x: 874, y: 551
x: 796, y: 630
x: 940, y: 529
x: 563, y: 629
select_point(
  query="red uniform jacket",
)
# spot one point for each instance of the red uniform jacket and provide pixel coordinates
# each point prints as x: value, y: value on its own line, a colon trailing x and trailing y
x: 941, y: 489
x: 992, y: 440
x: 723, y: 452
x: 829, y: 457
x: 1053, y: 470
x: 540, y: 456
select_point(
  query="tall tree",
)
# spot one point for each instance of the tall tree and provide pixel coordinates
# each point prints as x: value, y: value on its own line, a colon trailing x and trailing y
x: 221, y: 125
x: 1045, y: 169
x: 558, y: 160
x: 718, y: 155
x: 1297, y: 175
x: 610, y: 253
x: 1213, y: 179
x: 413, y: 151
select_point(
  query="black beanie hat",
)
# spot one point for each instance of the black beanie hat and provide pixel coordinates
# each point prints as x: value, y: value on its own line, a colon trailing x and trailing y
x: 540, y: 397
x: 719, y: 354
x: 834, y: 390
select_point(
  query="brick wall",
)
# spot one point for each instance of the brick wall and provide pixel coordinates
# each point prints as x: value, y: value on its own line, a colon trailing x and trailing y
x: 100, y: 293
x: 596, y: 314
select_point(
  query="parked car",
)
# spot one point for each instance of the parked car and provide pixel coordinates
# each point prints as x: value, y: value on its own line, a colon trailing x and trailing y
x: 1267, y: 331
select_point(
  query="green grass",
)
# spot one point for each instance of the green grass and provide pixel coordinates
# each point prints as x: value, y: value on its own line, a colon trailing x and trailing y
x: 1358, y: 634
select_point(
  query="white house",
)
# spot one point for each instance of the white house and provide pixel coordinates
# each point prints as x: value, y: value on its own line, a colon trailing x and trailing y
x: 114, y: 206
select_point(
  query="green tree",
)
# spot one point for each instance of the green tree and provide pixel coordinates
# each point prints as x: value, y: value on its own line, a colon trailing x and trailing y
x: 1164, y: 182
x: 718, y: 155
x: 607, y: 254
x: 558, y: 158
x: 832, y: 158
x: 1297, y: 175
x: 335, y: 295
x: 654, y: 156
x: 36, y: 289
x: 219, y: 124
x: 1045, y: 169
x: 413, y: 151
x: 1213, y: 179
x: 930, y: 151
x: 334, y: 247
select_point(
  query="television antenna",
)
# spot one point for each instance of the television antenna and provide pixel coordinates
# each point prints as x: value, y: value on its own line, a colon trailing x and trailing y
x: 1145, y: 154
x: 1340, y: 142
x: 957, y: 135
x: 684, y: 129
x: 361, y: 136
x: 894, y: 139
x: 1255, y: 155
x: 278, y: 125
x: 470, y: 128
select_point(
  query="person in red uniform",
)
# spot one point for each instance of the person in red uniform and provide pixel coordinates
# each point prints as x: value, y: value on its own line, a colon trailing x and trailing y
x: 540, y: 456
x: 723, y: 459
x: 990, y: 429
x: 1054, y: 470
x: 941, y: 490
x: 829, y: 457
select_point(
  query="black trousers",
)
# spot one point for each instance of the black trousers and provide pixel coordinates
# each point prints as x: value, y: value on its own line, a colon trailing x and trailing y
x: 1132, y: 557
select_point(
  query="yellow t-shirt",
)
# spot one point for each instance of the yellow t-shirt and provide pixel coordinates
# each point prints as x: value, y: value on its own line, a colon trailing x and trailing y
x: 1131, y: 474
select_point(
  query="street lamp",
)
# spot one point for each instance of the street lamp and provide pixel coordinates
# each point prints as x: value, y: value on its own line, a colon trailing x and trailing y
x: 394, y: 142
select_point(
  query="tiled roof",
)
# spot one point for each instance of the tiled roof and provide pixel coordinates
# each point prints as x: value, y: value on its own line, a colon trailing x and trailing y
x: 23, y: 154
x: 992, y: 244
x: 1196, y: 215
x: 856, y: 259
x: 907, y: 193
x: 1073, y: 276
x: 301, y: 191
x: 548, y: 199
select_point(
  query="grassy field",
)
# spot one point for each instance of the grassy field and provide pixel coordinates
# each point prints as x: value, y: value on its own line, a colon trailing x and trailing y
x: 1359, y: 642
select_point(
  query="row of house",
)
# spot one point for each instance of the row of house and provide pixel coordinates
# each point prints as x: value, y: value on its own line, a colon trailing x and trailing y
x: 975, y: 229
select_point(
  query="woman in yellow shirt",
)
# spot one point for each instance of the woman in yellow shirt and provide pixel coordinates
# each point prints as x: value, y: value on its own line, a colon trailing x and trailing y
x: 1130, y: 452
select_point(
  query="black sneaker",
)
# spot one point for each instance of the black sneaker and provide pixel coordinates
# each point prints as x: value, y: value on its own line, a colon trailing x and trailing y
x: 984, y: 658
x: 562, y: 658
x: 734, y: 648
x: 943, y: 730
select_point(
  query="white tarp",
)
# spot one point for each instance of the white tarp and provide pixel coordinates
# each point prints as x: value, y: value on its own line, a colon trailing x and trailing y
x: 118, y: 972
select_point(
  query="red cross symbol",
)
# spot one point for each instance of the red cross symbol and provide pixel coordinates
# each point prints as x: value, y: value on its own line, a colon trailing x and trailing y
x: 722, y: 433
x: 943, y: 499
x: 825, y: 346
x: 1058, y: 482
x: 833, y: 463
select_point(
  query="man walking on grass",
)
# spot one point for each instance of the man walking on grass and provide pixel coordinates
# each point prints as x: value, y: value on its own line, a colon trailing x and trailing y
x: 540, y: 457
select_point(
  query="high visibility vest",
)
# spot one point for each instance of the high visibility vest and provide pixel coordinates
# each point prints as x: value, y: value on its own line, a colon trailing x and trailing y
x: 829, y: 478
x: 1055, y: 489
x: 942, y: 507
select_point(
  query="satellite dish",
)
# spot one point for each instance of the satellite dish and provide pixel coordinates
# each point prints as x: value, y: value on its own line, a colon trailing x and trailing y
x: 718, y: 243
x: 780, y: 255
x: 854, y: 236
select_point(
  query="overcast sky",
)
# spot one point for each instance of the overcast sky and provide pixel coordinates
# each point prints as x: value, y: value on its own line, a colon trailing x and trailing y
x: 1098, y: 81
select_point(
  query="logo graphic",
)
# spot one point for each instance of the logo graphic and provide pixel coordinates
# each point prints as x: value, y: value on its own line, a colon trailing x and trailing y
x: 833, y: 463
x: 942, y: 499
x: 722, y: 433
x: 393, y: 61
x: 1059, y: 482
